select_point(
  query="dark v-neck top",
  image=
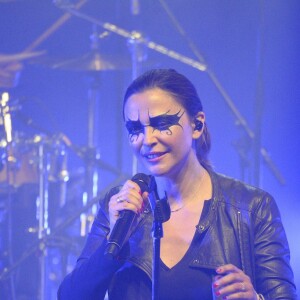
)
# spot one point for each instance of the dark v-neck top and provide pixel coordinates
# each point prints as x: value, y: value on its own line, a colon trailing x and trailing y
x: 183, y: 281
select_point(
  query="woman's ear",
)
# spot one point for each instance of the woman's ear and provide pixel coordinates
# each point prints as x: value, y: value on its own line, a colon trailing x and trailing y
x: 199, y: 124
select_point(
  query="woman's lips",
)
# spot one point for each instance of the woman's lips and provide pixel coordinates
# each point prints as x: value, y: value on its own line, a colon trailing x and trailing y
x: 154, y: 156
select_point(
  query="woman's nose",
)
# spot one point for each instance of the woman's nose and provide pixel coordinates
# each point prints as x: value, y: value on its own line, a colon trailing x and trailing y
x: 149, y: 135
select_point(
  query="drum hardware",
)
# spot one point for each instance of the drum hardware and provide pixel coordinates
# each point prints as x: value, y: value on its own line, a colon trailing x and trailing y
x: 61, y: 175
x: 9, y: 58
x: 43, y: 211
x: 138, y: 56
x: 24, y: 55
x: 7, y: 124
x: 21, y: 156
x: 6, y: 116
x: 92, y: 61
x: 58, y: 229
x: 48, y: 158
x: 42, y: 161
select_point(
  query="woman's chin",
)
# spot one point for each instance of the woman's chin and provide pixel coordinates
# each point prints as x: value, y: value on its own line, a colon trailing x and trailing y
x: 155, y: 170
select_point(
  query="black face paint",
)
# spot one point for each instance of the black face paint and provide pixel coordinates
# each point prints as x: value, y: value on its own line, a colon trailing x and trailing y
x: 161, y: 122
x: 134, y: 127
x: 165, y: 121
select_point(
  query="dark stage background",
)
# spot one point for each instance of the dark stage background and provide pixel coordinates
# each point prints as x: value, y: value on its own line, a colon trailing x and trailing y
x: 252, y: 47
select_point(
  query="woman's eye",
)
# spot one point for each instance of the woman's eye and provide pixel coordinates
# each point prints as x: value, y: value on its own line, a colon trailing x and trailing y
x: 134, y: 129
x: 163, y: 125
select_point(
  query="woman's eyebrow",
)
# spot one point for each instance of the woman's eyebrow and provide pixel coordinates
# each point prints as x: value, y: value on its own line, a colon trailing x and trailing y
x: 173, y: 118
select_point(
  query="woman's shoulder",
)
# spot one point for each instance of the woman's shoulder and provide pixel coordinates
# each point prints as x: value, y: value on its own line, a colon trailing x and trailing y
x: 239, y: 193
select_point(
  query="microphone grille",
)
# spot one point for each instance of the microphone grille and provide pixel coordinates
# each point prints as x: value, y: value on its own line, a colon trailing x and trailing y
x: 142, y: 180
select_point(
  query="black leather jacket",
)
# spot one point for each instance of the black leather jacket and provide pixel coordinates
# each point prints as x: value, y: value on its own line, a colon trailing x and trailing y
x: 243, y: 227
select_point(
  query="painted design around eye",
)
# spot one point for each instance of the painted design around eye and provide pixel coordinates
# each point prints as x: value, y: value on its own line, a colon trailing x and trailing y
x: 134, y: 129
x: 163, y: 123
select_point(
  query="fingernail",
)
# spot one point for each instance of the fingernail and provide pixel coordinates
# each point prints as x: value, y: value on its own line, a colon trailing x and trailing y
x: 218, y: 293
x: 219, y: 270
x: 215, y: 285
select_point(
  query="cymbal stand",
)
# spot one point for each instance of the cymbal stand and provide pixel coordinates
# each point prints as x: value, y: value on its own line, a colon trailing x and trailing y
x: 43, y: 215
x: 138, y: 56
x: 92, y: 151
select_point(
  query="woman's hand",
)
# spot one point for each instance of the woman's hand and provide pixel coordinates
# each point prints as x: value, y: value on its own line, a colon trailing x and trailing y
x: 233, y: 283
x: 129, y: 197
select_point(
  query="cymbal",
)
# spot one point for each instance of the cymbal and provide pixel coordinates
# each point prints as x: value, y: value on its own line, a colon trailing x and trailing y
x: 92, y: 61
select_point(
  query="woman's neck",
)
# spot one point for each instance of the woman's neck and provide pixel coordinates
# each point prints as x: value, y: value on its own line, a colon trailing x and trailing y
x: 194, y: 184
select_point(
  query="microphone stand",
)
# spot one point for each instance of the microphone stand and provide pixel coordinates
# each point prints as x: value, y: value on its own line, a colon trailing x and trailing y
x: 157, y: 235
x: 161, y: 213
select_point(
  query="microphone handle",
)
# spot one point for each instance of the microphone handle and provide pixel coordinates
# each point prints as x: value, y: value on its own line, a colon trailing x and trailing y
x: 119, y: 233
x: 121, y: 230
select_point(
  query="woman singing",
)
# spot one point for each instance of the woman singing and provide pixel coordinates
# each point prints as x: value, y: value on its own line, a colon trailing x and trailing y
x: 224, y: 238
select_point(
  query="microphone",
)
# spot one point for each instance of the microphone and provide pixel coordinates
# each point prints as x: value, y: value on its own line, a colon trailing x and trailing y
x: 121, y: 230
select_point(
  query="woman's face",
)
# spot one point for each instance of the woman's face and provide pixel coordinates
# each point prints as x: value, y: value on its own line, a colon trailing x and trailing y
x: 160, y: 131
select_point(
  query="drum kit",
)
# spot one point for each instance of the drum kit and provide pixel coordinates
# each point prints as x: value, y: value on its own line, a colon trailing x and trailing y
x: 37, y: 198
